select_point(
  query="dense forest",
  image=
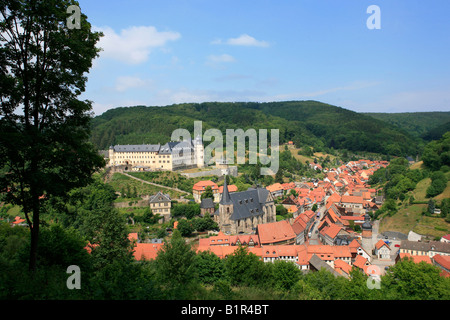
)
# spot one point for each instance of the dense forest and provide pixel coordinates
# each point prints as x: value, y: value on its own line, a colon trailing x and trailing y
x: 307, y: 123
x: 426, y: 125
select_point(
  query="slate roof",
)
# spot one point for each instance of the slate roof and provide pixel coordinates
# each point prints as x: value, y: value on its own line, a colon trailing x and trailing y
x: 225, y: 200
x: 207, y: 203
x: 318, y: 264
x: 167, y: 148
x: 436, y: 246
x: 170, y: 147
x: 159, y: 197
x: 137, y: 148
x: 248, y: 203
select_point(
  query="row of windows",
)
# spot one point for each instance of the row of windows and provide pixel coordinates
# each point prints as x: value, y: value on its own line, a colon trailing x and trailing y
x: 160, y: 204
x: 148, y: 161
x: 141, y: 157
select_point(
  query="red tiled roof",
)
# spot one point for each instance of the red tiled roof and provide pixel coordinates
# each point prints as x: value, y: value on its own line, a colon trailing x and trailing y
x: 201, y: 185
x: 354, y: 218
x: 415, y: 259
x: 274, y: 187
x: 275, y: 232
x: 444, y: 261
x: 18, y: 220
x: 332, y: 231
x: 147, y: 251
x: 133, y: 236
x: 288, y: 185
x: 360, y: 262
x: 340, y: 265
x: 351, y: 199
x: 381, y: 243
x: 231, y: 188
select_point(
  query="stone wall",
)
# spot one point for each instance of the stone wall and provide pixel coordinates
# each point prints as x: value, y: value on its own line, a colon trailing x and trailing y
x: 215, y: 172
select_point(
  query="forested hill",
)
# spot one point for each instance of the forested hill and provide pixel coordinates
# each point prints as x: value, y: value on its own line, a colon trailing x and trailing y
x: 426, y: 125
x: 307, y: 123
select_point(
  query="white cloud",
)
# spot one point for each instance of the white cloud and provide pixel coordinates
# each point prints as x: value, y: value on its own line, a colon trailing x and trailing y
x: 243, y: 40
x: 126, y: 82
x: 354, y: 86
x: 187, y: 95
x: 220, y: 58
x: 134, y: 44
x: 217, y: 61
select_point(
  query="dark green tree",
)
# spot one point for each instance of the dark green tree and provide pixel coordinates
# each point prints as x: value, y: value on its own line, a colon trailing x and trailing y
x: 45, y: 127
x: 438, y: 184
x: 208, y: 193
x: 109, y: 237
x: 245, y: 268
x: 285, y: 275
x: 175, y: 267
x: 210, y: 268
x: 420, y: 281
x: 279, y: 176
x: 185, y: 227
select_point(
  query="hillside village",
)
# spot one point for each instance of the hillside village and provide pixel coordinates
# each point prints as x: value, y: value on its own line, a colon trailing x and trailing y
x: 330, y: 225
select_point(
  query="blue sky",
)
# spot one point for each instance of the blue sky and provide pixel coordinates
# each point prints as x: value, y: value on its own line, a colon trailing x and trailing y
x: 157, y: 53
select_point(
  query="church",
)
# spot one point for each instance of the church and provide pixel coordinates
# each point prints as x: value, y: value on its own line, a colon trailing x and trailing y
x: 241, y: 212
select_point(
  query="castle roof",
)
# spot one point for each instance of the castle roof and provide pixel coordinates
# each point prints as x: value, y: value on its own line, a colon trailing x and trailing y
x: 168, y: 148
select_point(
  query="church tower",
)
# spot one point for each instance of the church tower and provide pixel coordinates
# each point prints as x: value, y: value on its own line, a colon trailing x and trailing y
x: 367, y: 235
x: 199, y: 152
x: 111, y: 156
x: 225, y: 208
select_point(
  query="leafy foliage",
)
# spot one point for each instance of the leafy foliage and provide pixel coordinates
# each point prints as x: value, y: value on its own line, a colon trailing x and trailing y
x: 419, y: 124
x: 175, y: 267
x: 307, y: 123
x: 438, y: 184
x: 45, y: 128
x: 436, y: 153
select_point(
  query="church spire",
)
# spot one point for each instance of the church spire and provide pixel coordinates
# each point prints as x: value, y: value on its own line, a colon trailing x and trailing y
x: 225, y: 194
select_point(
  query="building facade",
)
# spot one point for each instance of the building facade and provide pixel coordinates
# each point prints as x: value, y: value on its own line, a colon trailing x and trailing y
x: 241, y: 212
x: 367, y: 235
x: 430, y: 249
x: 161, y: 204
x: 170, y: 156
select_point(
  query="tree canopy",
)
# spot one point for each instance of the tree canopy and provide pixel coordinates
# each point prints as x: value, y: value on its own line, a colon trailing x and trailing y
x: 44, y: 146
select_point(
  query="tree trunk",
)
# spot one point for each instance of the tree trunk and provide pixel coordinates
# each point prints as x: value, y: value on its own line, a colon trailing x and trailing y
x: 34, y: 242
x: 34, y: 229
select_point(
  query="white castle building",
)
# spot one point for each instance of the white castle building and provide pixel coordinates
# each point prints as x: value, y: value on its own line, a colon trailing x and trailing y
x: 170, y: 156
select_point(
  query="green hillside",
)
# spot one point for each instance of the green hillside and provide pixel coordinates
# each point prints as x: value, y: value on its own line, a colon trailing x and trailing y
x: 413, y: 192
x: 418, y: 124
x: 307, y: 123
